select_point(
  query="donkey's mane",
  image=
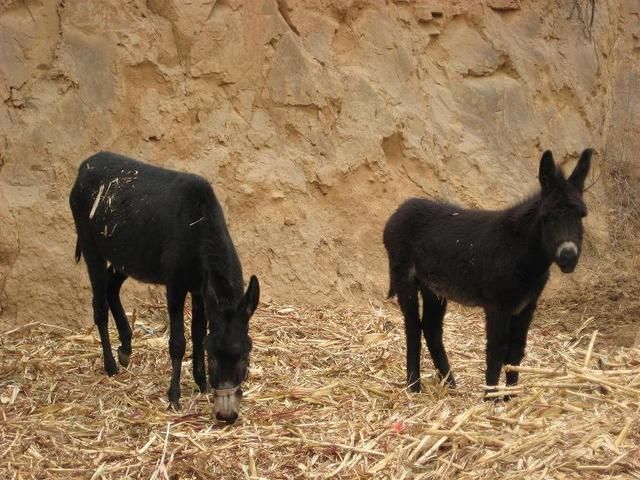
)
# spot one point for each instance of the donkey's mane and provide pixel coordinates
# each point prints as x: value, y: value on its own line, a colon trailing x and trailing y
x: 223, y: 263
x: 522, y: 217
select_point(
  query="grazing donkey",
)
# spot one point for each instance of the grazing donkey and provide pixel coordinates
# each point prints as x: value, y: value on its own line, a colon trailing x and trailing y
x: 498, y: 260
x: 165, y: 227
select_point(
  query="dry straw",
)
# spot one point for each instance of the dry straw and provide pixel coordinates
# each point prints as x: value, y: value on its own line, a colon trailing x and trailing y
x: 325, y: 399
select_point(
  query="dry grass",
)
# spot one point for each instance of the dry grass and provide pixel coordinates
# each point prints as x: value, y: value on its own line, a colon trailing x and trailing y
x: 324, y: 399
x: 607, y: 289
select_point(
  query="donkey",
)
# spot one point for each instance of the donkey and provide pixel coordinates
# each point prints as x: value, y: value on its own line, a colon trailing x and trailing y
x: 497, y: 260
x: 165, y: 227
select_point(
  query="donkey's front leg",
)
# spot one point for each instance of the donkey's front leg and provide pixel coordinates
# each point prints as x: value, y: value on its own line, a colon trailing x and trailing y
x: 497, y: 327
x: 175, y: 302
x: 198, y: 332
x: 518, y: 341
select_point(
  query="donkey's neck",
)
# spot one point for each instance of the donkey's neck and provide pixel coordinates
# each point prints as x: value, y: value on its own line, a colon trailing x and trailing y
x: 218, y: 256
x: 524, y: 221
x: 522, y: 218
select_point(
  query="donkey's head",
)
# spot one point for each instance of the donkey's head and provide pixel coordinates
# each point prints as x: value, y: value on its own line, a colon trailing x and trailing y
x: 228, y: 347
x: 562, y: 210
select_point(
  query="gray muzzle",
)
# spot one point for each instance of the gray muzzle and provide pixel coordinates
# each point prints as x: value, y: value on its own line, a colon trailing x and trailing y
x: 226, y: 403
x: 567, y: 256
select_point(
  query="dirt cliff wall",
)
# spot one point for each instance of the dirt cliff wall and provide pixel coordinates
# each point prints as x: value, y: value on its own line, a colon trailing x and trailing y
x: 313, y: 119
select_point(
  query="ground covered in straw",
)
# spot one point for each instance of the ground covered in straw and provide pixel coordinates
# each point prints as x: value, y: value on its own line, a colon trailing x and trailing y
x: 324, y: 399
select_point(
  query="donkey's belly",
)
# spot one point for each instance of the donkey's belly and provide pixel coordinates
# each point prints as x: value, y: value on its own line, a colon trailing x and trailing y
x: 459, y: 293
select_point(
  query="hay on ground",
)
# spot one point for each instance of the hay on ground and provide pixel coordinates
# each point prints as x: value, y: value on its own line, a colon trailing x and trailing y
x: 325, y: 399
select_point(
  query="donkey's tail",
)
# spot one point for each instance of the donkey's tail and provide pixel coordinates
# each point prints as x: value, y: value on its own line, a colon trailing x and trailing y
x: 393, y: 277
x: 78, y: 250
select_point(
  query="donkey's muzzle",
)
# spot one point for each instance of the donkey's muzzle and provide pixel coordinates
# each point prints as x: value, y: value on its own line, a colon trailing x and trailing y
x: 230, y: 418
x: 567, y: 256
x: 226, y: 403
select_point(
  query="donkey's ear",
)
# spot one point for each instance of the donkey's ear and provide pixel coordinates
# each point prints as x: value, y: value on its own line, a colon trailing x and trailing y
x: 250, y: 300
x: 547, y: 173
x: 582, y: 169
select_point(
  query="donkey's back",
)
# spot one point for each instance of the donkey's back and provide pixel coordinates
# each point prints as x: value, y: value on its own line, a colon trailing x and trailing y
x: 143, y: 219
x: 469, y: 256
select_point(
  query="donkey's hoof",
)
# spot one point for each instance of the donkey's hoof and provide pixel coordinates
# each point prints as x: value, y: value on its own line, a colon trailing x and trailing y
x: 110, y: 367
x: 415, y: 387
x: 173, y: 395
x: 123, y: 357
x: 449, y: 380
x: 491, y: 398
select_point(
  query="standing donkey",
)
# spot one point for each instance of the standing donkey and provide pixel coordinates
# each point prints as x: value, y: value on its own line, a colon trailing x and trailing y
x: 166, y: 227
x: 498, y: 260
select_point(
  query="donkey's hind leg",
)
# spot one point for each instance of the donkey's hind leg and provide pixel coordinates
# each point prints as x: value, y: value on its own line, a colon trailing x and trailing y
x: 97, y: 268
x: 115, y: 280
x: 433, y: 309
x: 408, y: 299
